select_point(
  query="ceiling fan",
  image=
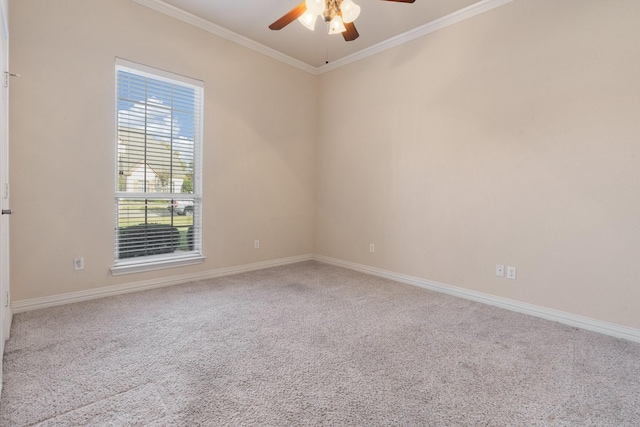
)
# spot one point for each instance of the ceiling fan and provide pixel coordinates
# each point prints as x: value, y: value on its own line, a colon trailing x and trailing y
x: 339, y: 14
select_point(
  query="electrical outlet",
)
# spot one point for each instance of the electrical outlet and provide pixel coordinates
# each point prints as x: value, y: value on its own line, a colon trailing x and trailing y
x: 256, y: 244
x: 500, y: 270
x: 78, y: 263
x: 372, y: 247
x: 511, y: 273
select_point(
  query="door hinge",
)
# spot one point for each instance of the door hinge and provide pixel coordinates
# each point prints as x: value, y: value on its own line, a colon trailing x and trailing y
x: 6, y: 300
x: 7, y: 76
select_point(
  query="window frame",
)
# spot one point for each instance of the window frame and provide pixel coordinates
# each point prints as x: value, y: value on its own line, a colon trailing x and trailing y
x: 177, y: 258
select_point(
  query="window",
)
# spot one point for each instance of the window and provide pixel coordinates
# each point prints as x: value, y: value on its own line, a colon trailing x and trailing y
x: 158, y: 200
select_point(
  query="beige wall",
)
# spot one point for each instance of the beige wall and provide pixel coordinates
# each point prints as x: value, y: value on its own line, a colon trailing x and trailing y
x: 259, y: 146
x: 510, y: 138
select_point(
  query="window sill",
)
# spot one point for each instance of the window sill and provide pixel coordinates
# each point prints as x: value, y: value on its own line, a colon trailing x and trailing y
x: 156, y: 264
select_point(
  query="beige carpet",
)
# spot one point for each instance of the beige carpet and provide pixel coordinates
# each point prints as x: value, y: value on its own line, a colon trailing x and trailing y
x: 310, y: 344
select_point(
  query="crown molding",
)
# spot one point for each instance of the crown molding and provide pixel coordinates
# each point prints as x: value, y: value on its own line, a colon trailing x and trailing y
x: 433, y: 26
x: 440, y: 23
x: 203, y: 24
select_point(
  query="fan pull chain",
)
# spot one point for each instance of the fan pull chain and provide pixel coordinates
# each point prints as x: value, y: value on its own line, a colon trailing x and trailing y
x: 326, y: 58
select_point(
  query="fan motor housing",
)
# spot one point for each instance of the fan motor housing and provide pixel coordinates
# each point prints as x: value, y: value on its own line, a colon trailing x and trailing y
x: 331, y: 9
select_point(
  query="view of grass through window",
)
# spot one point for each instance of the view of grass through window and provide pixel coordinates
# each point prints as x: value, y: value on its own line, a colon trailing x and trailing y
x: 133, y: 213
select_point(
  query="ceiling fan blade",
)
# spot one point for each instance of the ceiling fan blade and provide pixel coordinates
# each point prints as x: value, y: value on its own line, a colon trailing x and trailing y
x: 402, y: 1
x: 289, y: 17
x: 350, y: 33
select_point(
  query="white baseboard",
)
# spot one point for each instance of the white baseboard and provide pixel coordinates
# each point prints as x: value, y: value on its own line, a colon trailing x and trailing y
x: 581, y: 322
x: 107, y: 291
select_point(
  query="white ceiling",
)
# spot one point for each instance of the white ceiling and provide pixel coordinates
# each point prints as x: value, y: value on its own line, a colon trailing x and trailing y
x: 379, y: 23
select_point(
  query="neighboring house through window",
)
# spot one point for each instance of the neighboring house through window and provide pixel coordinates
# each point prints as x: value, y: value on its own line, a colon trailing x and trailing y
x: 158, y: 195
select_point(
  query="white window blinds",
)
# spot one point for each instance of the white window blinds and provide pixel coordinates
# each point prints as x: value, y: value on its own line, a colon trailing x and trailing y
x: 158, y: 186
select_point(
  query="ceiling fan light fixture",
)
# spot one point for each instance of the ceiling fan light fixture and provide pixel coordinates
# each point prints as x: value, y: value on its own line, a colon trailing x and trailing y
x: 308, y: 19
x: 335, y: 13
x: 350, y: 11
x: 336, y: 26
x: 315, y: 7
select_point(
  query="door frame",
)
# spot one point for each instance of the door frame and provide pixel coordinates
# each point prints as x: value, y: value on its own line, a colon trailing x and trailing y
x: 5, y: 308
